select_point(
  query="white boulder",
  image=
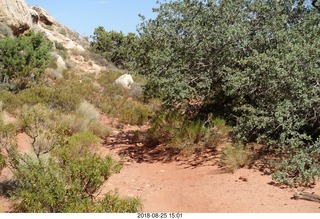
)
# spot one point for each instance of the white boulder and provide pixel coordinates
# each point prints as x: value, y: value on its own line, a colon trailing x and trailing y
x: 125, y: 81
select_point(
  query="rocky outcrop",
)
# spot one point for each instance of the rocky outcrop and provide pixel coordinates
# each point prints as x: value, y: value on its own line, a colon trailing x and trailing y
x: 19, y: 17
x: 44, y: 16
x: 16, y: 18
x: 86, y: 65
x: 16, y: 15
x: 57, y: 32
x: 55, y: 36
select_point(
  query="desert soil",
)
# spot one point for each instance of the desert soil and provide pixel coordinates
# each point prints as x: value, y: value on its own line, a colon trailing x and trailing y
x: 190, y: 185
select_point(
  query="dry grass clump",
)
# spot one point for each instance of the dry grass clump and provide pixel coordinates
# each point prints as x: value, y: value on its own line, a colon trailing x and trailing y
x: 54, y: 74
x: 85, y: 118
x: 88, y: 111
x: 234, y: 156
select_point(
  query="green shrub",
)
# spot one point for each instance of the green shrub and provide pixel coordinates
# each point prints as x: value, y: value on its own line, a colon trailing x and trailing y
x: 67, y: 187
x: 2, y: 162
x: 253, y: 62
x: 114, y: 46
x: 79, y: 144
x: 99, y: 59
x: 42, y: 126
x: 222, y: 130
x: 69, y: 93
x: 65, y: 179
x: 7, y: 135
x: 100, y: 130
x: 9, y: 101
x: 113, y: 203
x: 128, y: 111
x: 133, y: 112
x: 23, y: 60
x: 65, y: 95
x: 302, y: 169
x: 39, y: 94
x: 176, y: 131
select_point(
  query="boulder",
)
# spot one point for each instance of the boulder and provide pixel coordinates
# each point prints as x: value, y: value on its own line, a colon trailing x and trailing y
x: 61, y: 65
x: 16, y: 15
x: 125, y: 81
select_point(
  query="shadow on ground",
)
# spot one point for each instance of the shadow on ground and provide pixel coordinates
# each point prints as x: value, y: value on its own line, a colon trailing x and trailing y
x: 127, y: 145
x: 6, y: 187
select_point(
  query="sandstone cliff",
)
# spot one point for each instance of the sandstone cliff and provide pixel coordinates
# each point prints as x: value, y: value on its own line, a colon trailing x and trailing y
x: 16, y: 15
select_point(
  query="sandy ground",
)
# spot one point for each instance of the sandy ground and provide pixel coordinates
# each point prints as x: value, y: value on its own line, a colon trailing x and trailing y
x: 186, y: 185
x: 195, y: 185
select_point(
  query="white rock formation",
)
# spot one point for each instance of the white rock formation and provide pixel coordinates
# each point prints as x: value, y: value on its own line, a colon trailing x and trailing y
x: 16, y: 15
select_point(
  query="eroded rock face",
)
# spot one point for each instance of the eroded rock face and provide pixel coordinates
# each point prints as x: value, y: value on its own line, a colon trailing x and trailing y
x: 16, y: 15
x: 19, y: 17
x: 16, y: 18
x: 44, y: 16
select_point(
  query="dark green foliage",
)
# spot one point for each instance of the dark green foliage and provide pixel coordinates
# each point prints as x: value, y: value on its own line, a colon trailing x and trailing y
x: 276, y: 85
x: 23, y: 60
x: 183, y: 49
x: 303, y: 167
x: 253, y: 62
x: 114, y: 46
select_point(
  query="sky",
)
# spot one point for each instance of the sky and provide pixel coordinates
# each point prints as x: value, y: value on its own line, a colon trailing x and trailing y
x: 83, y: 16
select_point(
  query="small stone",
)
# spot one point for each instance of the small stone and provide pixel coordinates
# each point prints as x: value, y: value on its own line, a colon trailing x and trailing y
x: 244, y: 179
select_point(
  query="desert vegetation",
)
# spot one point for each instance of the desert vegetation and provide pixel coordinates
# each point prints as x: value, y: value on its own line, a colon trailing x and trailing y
x: 206, y: 73
x: 60, y: 116
x: 252, y: 63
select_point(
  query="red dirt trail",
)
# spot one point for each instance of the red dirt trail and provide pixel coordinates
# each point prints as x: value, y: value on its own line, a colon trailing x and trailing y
x: 186, y: 185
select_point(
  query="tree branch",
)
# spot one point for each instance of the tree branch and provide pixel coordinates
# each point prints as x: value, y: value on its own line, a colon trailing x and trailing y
x: 314, y: 4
